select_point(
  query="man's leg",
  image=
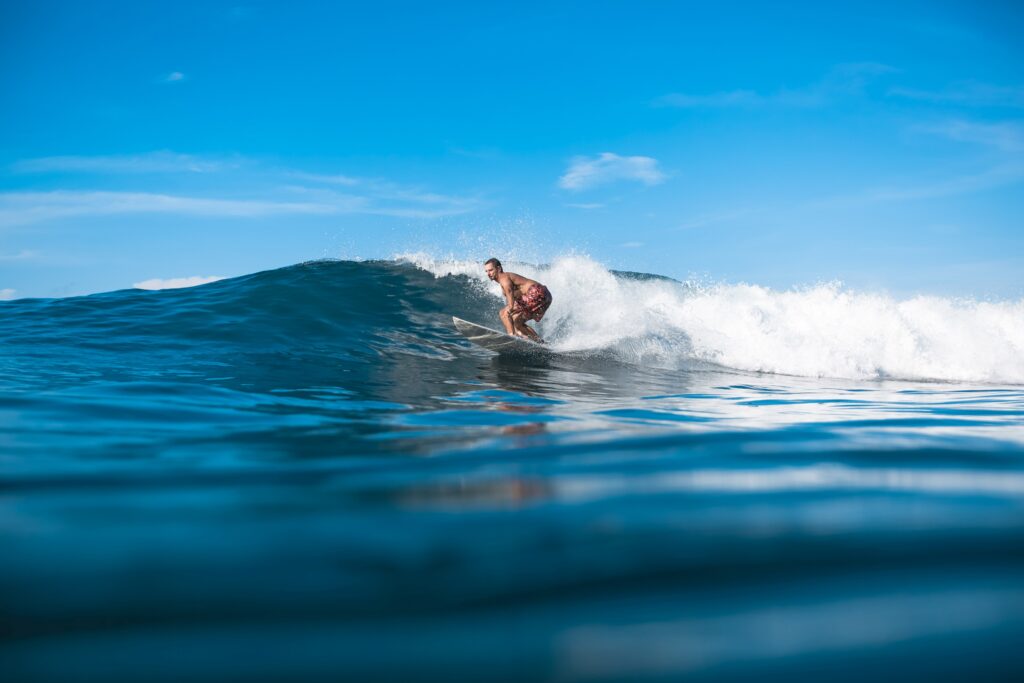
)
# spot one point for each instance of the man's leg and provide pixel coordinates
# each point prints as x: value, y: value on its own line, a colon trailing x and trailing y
x: 506, y: 320
x: 524, y: 329
x: 529, y: 331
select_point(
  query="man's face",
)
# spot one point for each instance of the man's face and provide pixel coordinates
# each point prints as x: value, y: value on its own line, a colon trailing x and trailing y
x: 491, y: 270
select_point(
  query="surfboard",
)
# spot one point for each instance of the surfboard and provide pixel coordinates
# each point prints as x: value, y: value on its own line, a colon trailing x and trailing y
x: 499, y: 342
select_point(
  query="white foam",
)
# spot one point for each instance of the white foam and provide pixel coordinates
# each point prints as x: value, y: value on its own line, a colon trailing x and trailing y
x: 821, y: 331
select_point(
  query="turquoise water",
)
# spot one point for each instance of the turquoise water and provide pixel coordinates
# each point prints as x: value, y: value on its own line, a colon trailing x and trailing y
x: 307, y: 474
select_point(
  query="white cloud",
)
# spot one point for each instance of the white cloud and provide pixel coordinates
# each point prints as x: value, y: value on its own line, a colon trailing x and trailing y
x: 588, y: 207
x: 7, y: 294
x: 841, y: 80
x: 587, y: 172
x: 152, y: 162
x: 631, y: 245
x: 174, y: 77
x: 177, y: 282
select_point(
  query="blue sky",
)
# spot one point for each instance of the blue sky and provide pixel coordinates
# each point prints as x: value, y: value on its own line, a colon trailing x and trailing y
x: 879, y: 144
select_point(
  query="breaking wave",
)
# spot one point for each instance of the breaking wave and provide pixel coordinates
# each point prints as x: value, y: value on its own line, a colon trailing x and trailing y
x: 818, y: 331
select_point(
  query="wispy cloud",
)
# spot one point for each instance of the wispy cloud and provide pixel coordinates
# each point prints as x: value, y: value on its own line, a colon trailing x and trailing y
x: 1006, y: 174
x: 386, y: 199
x: 714, y: 217
x: 1001, y: 175
x: 968, y: 94
x: 177, y: 282
x: 173, y: 77
x: 387, y: 192
x: 7, y: 294
x: 152, y: 162
x: 631, y: 245
x: 21, y: 208
x: 1007, y: 136
x: 23, y: 255
x: 587, y: 172
x: 348, y: 181
x: 587, y: 207
x: 842, y: 80
x: 280, y: 191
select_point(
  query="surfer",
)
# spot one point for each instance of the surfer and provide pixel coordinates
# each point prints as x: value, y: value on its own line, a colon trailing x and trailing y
x: 526, y: 300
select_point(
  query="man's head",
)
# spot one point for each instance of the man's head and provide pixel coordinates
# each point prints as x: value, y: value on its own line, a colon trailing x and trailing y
x: 493, y: 268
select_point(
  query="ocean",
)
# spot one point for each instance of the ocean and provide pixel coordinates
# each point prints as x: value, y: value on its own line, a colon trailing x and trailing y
x: 307, y: 474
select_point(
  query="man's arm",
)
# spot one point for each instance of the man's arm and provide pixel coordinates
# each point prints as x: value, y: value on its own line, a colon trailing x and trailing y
x: 510, y: 302
x: 506, y: 287
x: 506, y: 313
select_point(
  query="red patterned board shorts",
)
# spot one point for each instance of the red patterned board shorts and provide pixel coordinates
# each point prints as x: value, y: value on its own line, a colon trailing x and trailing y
x: 534, y: 303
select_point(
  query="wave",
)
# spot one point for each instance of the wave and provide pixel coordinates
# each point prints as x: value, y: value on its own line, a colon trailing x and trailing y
x: 346, y: 311
x: 819, y: 331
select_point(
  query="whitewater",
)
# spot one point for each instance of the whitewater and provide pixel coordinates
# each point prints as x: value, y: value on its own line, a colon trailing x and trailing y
x: 307, y: 473
x: 815, y: 331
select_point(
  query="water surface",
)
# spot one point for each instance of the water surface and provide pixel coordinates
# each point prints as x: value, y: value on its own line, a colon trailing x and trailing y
x: 307, y: 474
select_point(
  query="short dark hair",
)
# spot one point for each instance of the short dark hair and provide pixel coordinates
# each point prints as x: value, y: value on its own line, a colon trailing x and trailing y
x: 496, y: 262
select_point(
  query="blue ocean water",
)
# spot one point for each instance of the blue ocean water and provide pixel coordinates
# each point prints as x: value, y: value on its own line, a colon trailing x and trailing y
x: 308, y: 474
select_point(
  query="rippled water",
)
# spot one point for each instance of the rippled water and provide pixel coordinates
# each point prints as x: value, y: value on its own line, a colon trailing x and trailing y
x: 308, y: 474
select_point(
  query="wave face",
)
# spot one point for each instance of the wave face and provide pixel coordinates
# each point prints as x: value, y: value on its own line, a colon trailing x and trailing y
x: 310, y: 464
x: 821, y: 331
x: 318, y: 316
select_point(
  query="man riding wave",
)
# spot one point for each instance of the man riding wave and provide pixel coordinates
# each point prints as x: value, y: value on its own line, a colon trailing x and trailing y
x: 526, y: 300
